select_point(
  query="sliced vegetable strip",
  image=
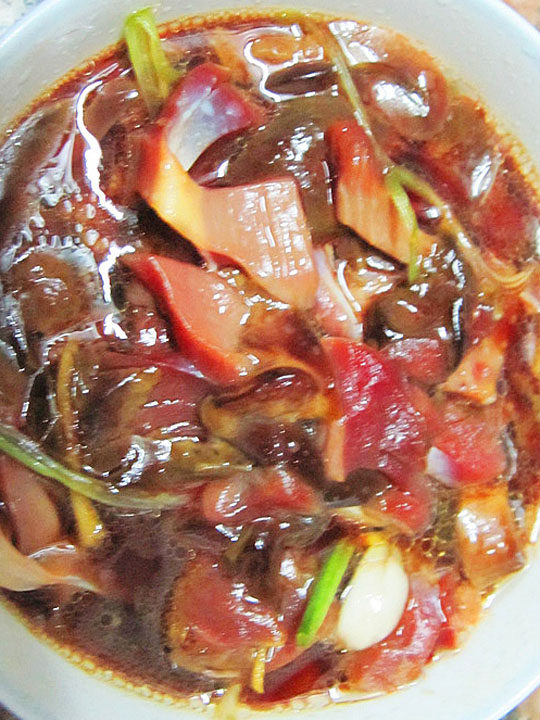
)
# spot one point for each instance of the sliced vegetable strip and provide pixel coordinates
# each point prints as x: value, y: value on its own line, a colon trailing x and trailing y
x: 64, y: 389
x: 403, y: 206
x: 28, y: 452
x: 258, y: 670
x: 324, y: 591
x: 331, y: 46
x: 90, y: 530
x: 155, y: 75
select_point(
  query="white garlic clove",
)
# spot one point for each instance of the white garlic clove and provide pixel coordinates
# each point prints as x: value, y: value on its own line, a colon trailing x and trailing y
x: 374, y: 600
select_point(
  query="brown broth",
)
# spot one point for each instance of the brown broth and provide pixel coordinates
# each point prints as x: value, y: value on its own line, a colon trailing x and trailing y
x: 69, y: 208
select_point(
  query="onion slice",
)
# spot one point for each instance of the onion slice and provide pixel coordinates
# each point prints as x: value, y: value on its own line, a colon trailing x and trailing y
x: 54, y: 565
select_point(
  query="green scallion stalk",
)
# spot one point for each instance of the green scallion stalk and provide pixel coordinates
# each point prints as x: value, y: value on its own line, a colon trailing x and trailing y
x: 403, y: 206
x: 504, y: 278
x: 28, y: 453
x: 155, y: 75
x: 396, y: 189
x: 324, y: 592
x: 322, y: 34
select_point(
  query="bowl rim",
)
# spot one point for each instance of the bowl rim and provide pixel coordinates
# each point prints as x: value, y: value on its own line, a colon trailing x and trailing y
x: 517, y: 30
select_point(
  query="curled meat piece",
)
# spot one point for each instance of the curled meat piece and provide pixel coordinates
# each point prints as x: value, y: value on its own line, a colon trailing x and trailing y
x: 206, y: 314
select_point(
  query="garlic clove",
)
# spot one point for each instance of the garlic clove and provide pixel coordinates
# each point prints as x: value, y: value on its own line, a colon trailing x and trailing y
x: 374, y: 600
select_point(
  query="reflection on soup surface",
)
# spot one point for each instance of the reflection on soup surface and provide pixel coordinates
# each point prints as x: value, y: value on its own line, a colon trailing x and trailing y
x: 269, y: 359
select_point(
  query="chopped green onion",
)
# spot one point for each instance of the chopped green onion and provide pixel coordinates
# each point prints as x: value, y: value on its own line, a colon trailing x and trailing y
x: 324, y: 591
x: 154, y: 73
x: 403, y: 205
x: 409, y: 179
x: 28, y: 453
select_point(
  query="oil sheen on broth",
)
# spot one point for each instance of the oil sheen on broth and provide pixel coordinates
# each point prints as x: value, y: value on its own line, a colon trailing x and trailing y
x: 268, y: 350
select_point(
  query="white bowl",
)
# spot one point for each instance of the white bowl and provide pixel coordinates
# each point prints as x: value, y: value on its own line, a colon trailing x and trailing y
x: 498, y: 54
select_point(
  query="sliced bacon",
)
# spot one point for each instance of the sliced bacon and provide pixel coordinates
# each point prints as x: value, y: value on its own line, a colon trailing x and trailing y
x: 205, y: 313
x: 362, y: 198
x: 203, y: 108
x: 410, y: 510
x: 215, y: 623
x: 423, y: 359
x: 468, y: 450
x: 227, y: 618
